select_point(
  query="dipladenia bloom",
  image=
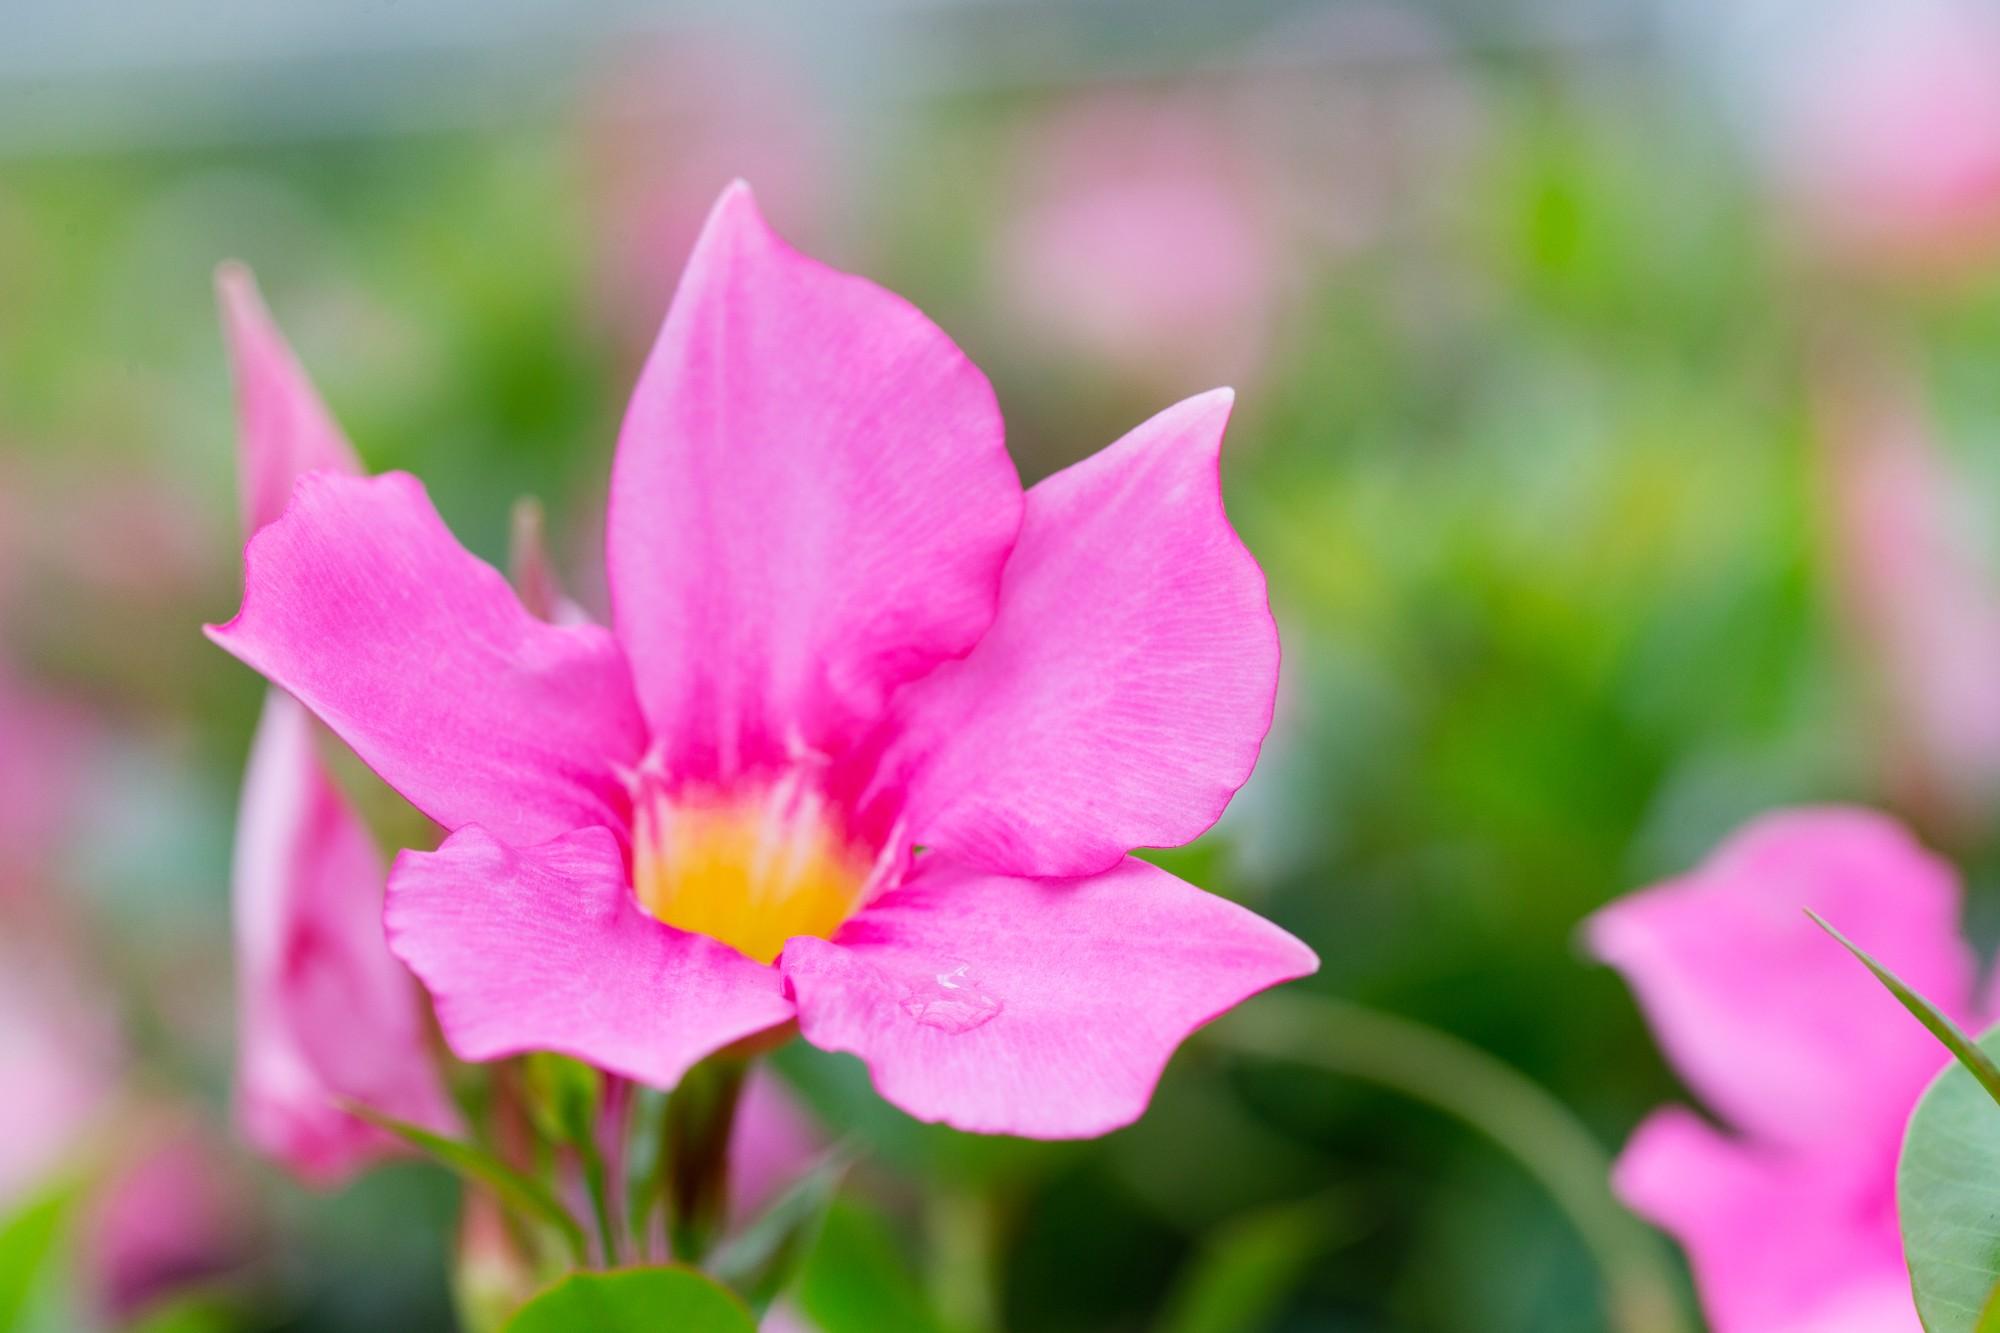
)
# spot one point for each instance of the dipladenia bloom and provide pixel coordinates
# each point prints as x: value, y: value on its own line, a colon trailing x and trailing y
x: 865, y: 747
x: 1912, y: 562
x: 1888, y: 133
x: 1788, y: 1210
x: 325, y: 1013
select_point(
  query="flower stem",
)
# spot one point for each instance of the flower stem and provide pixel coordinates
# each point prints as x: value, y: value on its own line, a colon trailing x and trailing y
x: 700, y: 1115
x: 961, y: 1224
x: 1465, y: 1082
x: 600, y: 1202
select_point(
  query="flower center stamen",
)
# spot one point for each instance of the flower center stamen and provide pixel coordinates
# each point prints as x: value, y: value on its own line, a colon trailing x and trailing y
x: 751, y: 868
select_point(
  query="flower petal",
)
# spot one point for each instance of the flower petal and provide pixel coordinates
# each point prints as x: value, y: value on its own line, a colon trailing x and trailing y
x: 1771, y: 1021
x: 361, y: 603
x: 1121, y: 696
x: 325, y: 1013
x: 1044, y: 1008
x: 543, y: 949
x: 811, y: 504
x: 1778, y: 1243
x: 283, y: 428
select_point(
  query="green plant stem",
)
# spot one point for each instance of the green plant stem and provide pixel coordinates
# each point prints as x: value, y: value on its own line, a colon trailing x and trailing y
x: 701, y: 1114
x: 960, y: 1225
x: 600, y: 1202
x: 1424, y: 1064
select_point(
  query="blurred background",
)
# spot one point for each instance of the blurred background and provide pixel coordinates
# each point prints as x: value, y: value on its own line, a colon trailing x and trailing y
x: 1617, y: 396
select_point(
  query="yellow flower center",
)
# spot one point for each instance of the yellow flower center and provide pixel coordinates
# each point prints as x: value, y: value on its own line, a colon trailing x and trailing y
x: 751, y: 869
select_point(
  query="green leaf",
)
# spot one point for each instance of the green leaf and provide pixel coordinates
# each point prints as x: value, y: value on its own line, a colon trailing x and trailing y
x: 760, y: 1260
x: 522, y: 1194
x: 1948, y: 1197
x: 28, y: 1245
x: 669, y: 1299
x: 1243, y: 1273
x: 196, y: 1314
x: 856, y: 1281
x: 1989, y: 1318
x: 1968, y: 1052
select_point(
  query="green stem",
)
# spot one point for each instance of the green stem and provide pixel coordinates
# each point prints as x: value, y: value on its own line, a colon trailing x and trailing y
x: 1465, y: 1082
x: 600, y: 1202
x: 700, y: 1115
x: 961, y: 1225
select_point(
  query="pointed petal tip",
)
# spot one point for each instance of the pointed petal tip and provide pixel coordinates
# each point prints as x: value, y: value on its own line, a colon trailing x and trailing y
x: 237, y: 295
x: 1204, y: 416
x: 736, y: 206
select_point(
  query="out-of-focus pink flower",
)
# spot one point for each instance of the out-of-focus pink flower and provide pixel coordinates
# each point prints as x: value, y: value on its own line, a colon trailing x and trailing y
x: 43, y: 744
x: 841, y: 632
x: 1889, y: 133
x: 774, y: 1143
x: 175, y: 1216
x: 1143, y: 240
x: 669, y: 124
x: 1919, y: 590
x: 59, y: 1061
x: 1788, y: 1212
x: 325, y: 1014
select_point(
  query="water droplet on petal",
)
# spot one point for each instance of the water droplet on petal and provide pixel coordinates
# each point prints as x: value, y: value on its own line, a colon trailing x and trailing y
x: 952, y: 1000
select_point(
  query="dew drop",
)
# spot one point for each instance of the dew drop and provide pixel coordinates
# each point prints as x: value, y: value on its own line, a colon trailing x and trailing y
x: 951, y: 1000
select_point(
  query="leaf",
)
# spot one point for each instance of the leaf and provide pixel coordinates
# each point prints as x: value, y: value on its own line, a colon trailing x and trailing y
x: 522, y: 1194
x: 1963, y: 1047
x: 855, y: 1281
x: 760, y: 1260
x: 1948, y: 1198
x: 1243, y: 1273
x: 1989, y: 1318
x: 668, y: 1299
x: 28, y: 1245
x: 194, y: 1315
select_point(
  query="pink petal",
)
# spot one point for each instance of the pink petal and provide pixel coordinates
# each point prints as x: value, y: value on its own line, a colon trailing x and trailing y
x: 61, y: 1062
x: 1770, y: 1020
x: 811, y: 504
x: 773, y: 1144
x: 325, y: 1014
x: 1779, y: 1243
x: 283, y: 429
x: 1120, y: 698
x: 1909, y: 543
x: 1034, y: 1007
x: 361, y: 603
x: 544, y: 949
x: 170, y: 1220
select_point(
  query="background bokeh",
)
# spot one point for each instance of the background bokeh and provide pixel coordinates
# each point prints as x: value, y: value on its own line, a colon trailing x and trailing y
x: 1614, y: 388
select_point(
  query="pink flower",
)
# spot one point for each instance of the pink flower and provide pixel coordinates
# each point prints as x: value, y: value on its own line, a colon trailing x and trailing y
x: 1913, y: 568
x: 772, y: 1144
x: 325, y: 1014
x: 1142, y: 241
x: 841, y: 633
x: 1890, y: 133
x: 1788, y: 1211
x: 173, y: 1217
x: 43, y: 745
x: 59, y: 1060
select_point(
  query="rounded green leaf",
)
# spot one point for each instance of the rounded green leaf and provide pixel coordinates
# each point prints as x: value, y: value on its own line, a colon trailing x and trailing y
x: 634, y: 1300
x: 1948, y: 1196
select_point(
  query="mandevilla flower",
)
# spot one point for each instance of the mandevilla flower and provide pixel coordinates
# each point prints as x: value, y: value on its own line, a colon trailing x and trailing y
x: 1889, y: 133
x: 1909, y: 560
x: 325, y: 1013
x: 1788, y: 1214
x: 866, y: 745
